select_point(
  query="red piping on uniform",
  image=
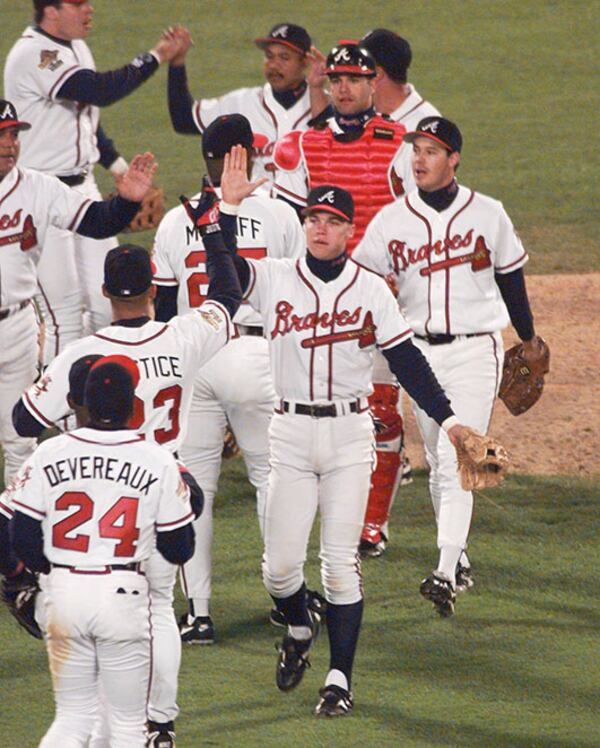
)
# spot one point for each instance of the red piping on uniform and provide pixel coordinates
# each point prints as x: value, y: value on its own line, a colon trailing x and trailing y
x: 333, y: 317
x: 299, y: 120
x: 35, y: 412
x: 130, y: 342
x: 497, y: 379
x: 397, y: 337
x: 76, y: 220
x: 505, y: 267
x: 104, y: 444
x: 201, y: 125
x: 13, y: 188
x: 270, y: 113
x: 30, y: 508
x: 175, y: 522
x: 317, y: 313
x: 430, y: 242
x: 416, y: 106
x: 252, y: 282
x: 447, y: 248
x: 60, y: 80
x: 54, y: 321
x: 151, y: 635
x: 291, y: 194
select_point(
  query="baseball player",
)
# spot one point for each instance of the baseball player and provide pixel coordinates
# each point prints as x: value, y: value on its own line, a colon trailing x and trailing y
x: 30, y: 204
x: 286, y: 102
x: 168, y: 356
x: 457, y: 261
x: 235, y: 386
x: 398, y: 99
x: 88, y: 509
x: 324, y: 315
x: 362, y: 152
x: 51, y: 77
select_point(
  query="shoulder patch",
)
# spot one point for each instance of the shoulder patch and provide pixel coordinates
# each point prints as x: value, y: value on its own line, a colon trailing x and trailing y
x: 49, y: 60
x: 212, y: 318
x: 287, y: 151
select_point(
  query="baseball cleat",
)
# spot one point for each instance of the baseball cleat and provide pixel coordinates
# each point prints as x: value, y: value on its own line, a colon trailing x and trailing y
x: 198, y: 630
x: 405, y: 471
x: 373, y: 542
x: 160, y: 735
x: 277, y: 618
x: 316, y: 604
x: 464, y: 579
x: 292, y: 661
x: 334, y: 702
x: 441, y: 594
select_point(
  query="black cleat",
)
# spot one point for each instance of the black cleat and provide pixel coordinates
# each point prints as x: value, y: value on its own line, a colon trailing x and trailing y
x: 464, y: 579
x: 441, y: 594
x: 367, y: 549
x: 292, y: 661
x: 277, y: 618
x: 160, y: 735
x: 317, y: 606
x: 334, y: 702
x: 198, y: 630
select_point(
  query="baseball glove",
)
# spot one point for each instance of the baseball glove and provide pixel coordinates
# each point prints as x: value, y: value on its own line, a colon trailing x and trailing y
x: 523, y: 381
x: 150, y: 213
x: 19, y: 594
x: 230, y: 445
x: 482, y: 461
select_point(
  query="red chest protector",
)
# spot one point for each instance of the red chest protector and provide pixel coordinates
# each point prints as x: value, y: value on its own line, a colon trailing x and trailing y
x: 363, y: 167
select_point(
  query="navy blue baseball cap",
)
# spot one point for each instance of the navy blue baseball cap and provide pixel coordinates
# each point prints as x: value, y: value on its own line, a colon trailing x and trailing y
x: 330, y: 199
x: 128, y: 271
x: 288, y: 34
x: 78, y: 374
x: 225, y: 132
x: 439, y: 129
x: 110, y: 388
x: 391, y: 52
x: 9, y: 118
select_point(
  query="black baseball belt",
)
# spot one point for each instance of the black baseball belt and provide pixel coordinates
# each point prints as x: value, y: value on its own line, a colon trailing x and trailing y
x: 323, y: 411
x: 100, y: 569
x: 444, y: 339
x: 74, y: 180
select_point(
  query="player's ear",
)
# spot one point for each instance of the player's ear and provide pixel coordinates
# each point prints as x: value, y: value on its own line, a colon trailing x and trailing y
x: 152, y: 291
x: 454, y: 159
x: 351, y: 230
x: 105, y: 292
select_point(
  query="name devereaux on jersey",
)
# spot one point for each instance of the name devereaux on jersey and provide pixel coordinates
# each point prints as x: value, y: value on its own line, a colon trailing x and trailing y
x: 168, y: 357
x: 100, y: 496
x: 36, y: 68
x: 322, y: 335
x: 265, y: 227
x: 30, y: 202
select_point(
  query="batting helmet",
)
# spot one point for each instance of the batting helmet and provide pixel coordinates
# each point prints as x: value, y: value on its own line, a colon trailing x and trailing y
x: 350, y: 58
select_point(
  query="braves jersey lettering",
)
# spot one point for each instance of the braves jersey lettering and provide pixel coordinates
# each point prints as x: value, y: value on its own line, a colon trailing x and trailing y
x: 160, y: 366
x: 345, y: 319
x: 25, y: 193
x: 444, y: 263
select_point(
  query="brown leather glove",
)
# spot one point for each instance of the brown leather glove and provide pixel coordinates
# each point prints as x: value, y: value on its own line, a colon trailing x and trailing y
x: 482, y: 461
x: 523, y: 376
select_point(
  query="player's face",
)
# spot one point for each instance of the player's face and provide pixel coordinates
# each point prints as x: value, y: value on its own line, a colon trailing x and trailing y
x: 74, y: 21
x: 284, y: 68
x: 9, y: 150
x: 433, y: 165
x: 326, y: 234
x: 351, y: 94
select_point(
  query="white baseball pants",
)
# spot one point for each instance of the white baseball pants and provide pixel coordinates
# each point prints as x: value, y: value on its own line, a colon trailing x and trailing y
x: 324, y: 464
x: 469, y: 370
x: 70, y: 277
x: 235, y: 385
x: 18, y: 362
x: 98, y: 633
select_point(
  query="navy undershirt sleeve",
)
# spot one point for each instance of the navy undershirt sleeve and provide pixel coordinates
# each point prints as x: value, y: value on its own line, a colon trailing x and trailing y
x: 102, y: 89
x: 181, y: 102
x: 28, y: 542
x: 8, y: 561
x: 177, y: 546
x: 108, y: 152
x: 414, y: 374
x: 165, y: 303
x: 228, y: 224
x: 514, y: 293
x: 223, y: 282
x: 24, y: 423
x: 105, y: 218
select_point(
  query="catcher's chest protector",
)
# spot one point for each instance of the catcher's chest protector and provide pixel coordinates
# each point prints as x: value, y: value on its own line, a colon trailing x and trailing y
x: 362, y: 167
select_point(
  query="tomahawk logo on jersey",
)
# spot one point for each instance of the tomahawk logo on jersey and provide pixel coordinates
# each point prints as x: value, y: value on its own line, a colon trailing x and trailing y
x: 168, y: 357
x: 97, y: 508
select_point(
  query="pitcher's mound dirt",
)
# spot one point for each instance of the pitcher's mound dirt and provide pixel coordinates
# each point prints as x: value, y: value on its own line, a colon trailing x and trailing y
x: 561, y: 433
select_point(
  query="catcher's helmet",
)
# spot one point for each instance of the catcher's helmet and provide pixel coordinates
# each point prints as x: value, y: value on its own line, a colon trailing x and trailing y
x: 350, y: 58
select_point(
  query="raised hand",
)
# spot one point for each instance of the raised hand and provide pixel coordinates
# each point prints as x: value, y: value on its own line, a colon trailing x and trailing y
x: 137, y: 180
x: 182, y: 38
x: 316, y: 77
x: 235, y: 185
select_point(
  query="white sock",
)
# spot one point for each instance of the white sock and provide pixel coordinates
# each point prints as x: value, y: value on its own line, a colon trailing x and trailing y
x: 301, y: 633
x: 200, y: 607
x: 449, y: 555
x: 336, y: 678
x: 464, y: 560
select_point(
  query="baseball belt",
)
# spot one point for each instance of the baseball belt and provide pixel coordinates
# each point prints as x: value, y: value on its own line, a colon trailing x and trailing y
x: 324, y: 411
x: 444, y: 339
x: 10, y: 310
x: 74, y: 180
x: 101, y: 569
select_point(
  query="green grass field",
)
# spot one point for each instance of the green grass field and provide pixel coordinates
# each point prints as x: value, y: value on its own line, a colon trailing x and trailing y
x: 518, y: 665
x: 513, y: 669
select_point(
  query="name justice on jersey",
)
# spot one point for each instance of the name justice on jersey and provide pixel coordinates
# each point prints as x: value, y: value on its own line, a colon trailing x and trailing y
x: 403, y: 256
x: 160, y: 366
x: 92, y: 467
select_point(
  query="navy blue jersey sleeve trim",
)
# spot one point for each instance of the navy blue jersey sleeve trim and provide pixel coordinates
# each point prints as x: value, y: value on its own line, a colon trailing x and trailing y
x: 181, y: 102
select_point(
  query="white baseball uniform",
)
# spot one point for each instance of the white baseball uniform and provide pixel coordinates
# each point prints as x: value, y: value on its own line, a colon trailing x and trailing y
x: 31, y: 205
x: 321, y: 340
x: 236, y: 384
x: 444, y: 264
x: 168, y: 357
x: 100, y: 497
x: 269, y: 120
x: 62, y: 141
